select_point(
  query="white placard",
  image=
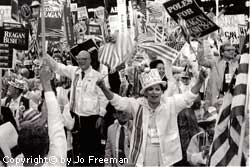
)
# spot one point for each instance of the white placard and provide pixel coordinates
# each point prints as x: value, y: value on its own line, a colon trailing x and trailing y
x: 82, y: 13
x: 73, y: 7
x: 229, y: 26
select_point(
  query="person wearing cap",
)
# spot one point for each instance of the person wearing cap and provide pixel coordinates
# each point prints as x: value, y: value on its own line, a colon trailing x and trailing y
x: 15, y: 99
x: 198, y: 148
x: 42, y: 137
x: 87, y: 103
x: 155, y: 137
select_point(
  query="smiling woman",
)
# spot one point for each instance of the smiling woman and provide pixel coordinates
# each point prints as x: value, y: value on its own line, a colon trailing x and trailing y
x: 155, y: 119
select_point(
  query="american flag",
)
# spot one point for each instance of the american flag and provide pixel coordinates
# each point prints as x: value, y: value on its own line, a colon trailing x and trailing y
x: 230, y: 123
x: 161, y: 50
x: 114, y: 54
x: 175, y: 44
x: 34, y: 47
x: 145, y: 38
x: 156, y: 32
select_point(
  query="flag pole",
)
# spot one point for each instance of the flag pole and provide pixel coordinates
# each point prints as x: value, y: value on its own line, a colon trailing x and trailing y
x: 242, y: 133
x: 43, y: 28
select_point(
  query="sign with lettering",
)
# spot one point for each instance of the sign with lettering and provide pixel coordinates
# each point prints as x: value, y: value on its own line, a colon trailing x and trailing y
x: 15, y: 35
x: 6, y: 56
x: 53, y: 11
x: 233, y: 27
x: 5, y: 11
x: 94, y: 29
x: 82, y: 13
x: 197, y: 22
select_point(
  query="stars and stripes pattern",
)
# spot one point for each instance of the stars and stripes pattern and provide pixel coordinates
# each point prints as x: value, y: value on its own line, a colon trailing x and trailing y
x: 155, y: 32
x: 114, y: 54
x: 145, y: 38
x: 34, y: 47
x: 161, y: 50
x: 228, y: 129
x: 175, y: 44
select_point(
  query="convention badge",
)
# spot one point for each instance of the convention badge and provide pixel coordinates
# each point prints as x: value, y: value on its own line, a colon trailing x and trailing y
x: 155, y: 140
x: 228, y: 78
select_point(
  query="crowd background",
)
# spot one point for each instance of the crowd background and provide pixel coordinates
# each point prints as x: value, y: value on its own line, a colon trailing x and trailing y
x: 52, y: 106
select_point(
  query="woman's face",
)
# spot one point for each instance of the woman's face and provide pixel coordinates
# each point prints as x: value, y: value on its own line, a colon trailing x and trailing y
x: 154, y: 93
x: 161, y: 69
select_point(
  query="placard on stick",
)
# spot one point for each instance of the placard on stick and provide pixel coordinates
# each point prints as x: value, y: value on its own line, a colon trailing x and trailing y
x: 197, y: 22
x: 6, y: 56
x: 15, y: 35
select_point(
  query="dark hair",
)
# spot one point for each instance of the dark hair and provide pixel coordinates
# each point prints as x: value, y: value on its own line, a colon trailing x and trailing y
x: 33, y: 141
x: 58, y: 55
x: 154, y: 63
x: 7, y: 116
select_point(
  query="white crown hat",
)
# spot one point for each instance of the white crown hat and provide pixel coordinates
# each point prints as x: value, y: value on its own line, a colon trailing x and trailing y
x: 20, y: 84
x: 150, y: 78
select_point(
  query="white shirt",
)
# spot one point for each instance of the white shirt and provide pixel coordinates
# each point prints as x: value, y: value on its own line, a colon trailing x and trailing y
x: 88, y: 95
x: 89, y: 99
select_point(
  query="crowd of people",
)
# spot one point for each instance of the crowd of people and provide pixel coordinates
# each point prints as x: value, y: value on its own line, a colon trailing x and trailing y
x: 50, y: 108
x: 65, y: 109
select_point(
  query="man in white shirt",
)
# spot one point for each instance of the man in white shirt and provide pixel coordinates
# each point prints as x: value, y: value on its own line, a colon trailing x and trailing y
x: 87, y: 102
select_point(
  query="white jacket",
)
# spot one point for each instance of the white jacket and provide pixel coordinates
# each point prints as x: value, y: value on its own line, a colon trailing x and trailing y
x: 166, y: 123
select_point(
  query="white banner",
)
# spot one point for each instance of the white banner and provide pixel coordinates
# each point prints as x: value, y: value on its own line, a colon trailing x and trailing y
x: 5, y: 11
x: 82, y: 13
x: 229, y: 26
x: 122, y: 15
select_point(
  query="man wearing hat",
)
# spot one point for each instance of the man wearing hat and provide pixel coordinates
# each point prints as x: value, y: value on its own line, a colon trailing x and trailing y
x: 87, y: 101
x: 15, y: 100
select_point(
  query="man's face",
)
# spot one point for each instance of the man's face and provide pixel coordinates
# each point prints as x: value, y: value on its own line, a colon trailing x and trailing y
x: 122, y: 117
x: 229, y: 52
x: 84, y: 60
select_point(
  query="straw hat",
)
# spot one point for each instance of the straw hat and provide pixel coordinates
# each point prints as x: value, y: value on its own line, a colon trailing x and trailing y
x: 150, y: 78
x: 19, y: 84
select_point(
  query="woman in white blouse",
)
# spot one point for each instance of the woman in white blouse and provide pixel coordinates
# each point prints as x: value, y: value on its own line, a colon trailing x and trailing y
x: 155, y: 138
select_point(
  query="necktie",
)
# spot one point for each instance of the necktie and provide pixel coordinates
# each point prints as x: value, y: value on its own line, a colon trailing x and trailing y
x: 121, y: 143
x: 83, y: 74
x: 225, y: 85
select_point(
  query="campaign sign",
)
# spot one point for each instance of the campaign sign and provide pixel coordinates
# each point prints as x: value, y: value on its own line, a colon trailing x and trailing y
x: 197, y: 22
x: 94, y: 29
x: 15, y: 35
x: 6, y: 56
